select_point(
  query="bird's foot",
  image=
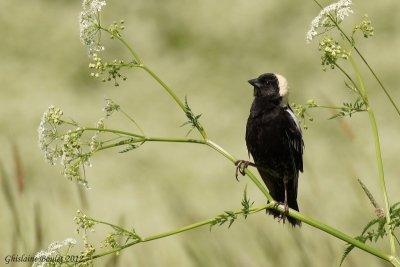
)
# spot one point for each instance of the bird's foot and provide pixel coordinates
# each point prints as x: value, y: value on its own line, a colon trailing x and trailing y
x: 282, y: 217
x: 241, y: 166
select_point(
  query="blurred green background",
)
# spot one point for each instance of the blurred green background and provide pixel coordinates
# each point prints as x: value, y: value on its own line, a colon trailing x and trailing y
x: 207, y: 50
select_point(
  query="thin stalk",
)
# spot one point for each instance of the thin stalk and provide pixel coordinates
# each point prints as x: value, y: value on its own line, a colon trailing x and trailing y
x: 108, y: 131
x: 165, y: 86
x: 153, y: 139
x: 132, y: 120
x: 327, y: 107
x: 113, y: 226
x: 347, y: 75
x: 378, y: 152
x: 378, y: 80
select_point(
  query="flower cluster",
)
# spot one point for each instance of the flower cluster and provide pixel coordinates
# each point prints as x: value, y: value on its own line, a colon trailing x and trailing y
x: 365, y: 26
x: 330, y: 15
x: 302, y: 112
x: 114, y: 239
x: 110, y: 107
x: 62, y: 140
x: 42, y: 257
x: 108, y: 71
x: 331, y: 52
x: 116, y: 29
x: 89, y: 22
x: 87, y: 253
x: 72, y: 145
x: 83, y: 222
x: 47, y: 132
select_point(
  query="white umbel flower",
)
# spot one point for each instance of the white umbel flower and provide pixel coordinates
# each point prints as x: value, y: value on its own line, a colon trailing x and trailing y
x: 43, y: 257
x: 339, y: 10
x: 47, y: 133
x: 89, y: 24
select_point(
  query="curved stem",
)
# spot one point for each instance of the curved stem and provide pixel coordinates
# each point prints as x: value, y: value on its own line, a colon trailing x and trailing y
x: 108, y: 131
x: 165, y: 86
x: 347, y: 75
x: 112, y: 226
x: 378, y: 152
x: 327, y: 107
x: 132, y: 120
x: 378, y: 80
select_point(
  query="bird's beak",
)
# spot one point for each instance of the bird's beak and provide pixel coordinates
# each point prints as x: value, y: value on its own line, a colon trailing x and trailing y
x: 254, y: 82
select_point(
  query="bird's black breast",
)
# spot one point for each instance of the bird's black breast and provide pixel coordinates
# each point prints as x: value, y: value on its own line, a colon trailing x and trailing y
x: 274, y: 139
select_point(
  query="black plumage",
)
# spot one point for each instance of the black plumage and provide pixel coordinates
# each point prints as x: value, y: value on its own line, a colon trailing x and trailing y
x: 274, y: 139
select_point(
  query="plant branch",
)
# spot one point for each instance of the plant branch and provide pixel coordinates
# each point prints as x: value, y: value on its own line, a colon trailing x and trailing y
x: 170, y: 233
x: 132, y: 120
x: 113, y: 226
x: 272, y: 204
x: 363, y: 59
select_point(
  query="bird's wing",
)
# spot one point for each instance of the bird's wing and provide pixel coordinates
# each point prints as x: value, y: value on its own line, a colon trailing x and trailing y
x: 294, y: 139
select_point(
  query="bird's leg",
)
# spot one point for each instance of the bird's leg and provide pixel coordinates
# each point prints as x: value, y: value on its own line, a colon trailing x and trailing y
x: 286, y: 212
x: 241, y: 166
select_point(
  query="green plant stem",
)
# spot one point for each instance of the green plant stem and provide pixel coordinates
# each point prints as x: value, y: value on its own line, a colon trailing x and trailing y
x: 378, y: 152
x: 170, y: 233
x: 112, y: 226
x: 351, y: 42
x: 107, y: 131
x: 327, y: 107
x: 347, y: 75
x: 129, y: 47
x: 132, y: 120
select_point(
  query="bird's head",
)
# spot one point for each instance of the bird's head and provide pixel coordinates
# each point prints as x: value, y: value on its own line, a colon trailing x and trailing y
x: 270, y: 85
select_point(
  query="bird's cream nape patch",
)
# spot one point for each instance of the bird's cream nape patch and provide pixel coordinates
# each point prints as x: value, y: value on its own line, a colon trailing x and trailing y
x: 283, y: 89
x: 283, y: 85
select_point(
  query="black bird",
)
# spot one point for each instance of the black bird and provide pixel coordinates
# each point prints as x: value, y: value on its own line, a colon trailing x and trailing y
x: 274, y: 139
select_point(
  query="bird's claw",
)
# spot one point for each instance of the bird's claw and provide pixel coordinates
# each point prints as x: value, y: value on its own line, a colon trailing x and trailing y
x: 241, y: 166
x: 285, y: 213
